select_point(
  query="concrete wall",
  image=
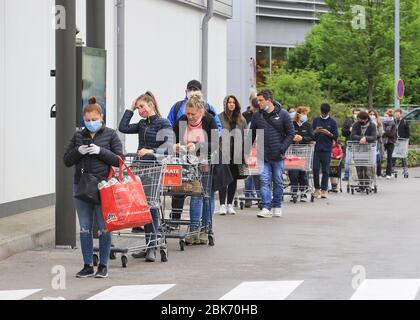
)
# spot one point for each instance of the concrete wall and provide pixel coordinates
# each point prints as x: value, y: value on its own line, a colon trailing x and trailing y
x: 241, y: 48
x: 163, y: 53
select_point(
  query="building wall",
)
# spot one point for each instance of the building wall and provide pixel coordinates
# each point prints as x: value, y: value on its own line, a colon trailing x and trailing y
x: 241, y: 48
x: 163, y: 53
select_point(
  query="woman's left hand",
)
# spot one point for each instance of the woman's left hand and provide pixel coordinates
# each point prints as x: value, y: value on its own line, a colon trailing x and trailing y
x: 144, y: 152
x: 191, y: 147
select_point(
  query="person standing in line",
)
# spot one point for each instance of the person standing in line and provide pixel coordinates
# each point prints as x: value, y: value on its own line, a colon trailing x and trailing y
x: 346, y: 131
x: 389, y: 138
x: 326, y: 132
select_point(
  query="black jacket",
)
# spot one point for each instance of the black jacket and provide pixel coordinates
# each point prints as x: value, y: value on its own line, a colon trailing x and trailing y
x: 371, y: 133
x: 248, y: 115
x: 148, y: 129
x: 403, y: 128
x: 98, y: 165
x: 209, y: 126
x: 305, y: 131
x: 390, y: 132
x: 276, y: 139
x: 346, y: 128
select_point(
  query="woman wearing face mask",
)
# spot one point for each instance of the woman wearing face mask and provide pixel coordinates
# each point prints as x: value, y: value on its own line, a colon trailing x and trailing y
x: 304, y: 135
x: 374, y: 117
x: 389, y: 139
x: 155, y: 138
x: 95, y: 157
x: 195, y: 137
x: 232, y: 119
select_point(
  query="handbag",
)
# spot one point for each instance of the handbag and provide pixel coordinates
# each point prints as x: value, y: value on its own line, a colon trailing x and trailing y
x: 124, y: 204
x: 88, y: 187
x: 243, y: 171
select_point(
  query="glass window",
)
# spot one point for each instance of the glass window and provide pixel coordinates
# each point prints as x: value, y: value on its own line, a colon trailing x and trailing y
x: 278, y: 57
x: 263, y: 63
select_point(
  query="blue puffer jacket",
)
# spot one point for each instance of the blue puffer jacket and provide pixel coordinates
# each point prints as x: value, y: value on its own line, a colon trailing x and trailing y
x: 276, y: 139
x: 148, y: 129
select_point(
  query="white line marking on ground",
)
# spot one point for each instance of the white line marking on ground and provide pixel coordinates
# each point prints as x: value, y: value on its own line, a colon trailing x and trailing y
x: 144, y: 292
x: 263, y: 290
x: 390, y: 289
x: 17, y: 294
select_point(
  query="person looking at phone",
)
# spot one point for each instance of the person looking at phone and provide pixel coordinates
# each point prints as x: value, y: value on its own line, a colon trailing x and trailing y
x: 93, y: 150
x: 155, y: 138
x: 326, y: 132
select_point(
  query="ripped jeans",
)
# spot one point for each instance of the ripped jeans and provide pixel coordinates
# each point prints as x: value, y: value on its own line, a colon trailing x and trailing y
x: 86, y: 213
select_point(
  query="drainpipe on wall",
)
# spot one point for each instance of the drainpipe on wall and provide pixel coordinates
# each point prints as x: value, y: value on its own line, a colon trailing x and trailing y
x: 120, y: 35
x: 205, y: 47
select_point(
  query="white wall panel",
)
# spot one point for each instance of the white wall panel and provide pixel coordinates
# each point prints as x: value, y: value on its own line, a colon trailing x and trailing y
x: 2, y: 95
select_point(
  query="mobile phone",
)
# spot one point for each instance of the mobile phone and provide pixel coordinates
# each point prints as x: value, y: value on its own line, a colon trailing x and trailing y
x: 86, y: 141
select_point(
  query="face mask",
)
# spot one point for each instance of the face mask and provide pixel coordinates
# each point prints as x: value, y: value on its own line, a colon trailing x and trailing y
x: 325, y: 117
x: 303, y: 118
x: 292, y: 115
x: 93, y: 126
x: 363, y: 123
x: 372, y: 118
x: 266, y: 108
x: 144, y: 113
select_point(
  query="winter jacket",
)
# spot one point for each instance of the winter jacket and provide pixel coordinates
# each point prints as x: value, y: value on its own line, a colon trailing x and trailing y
x: 248, y: 115
x: 277, y: 138
x: 174, y: 118
x: 370, y: 134
x: 238, y: 136
x: 390, y: 132
x: 346, y: 128
x: 403, y: 128
x: 305, y: 131
x: 148, y: 130
x: 98, y: 165
x: 324, y: 143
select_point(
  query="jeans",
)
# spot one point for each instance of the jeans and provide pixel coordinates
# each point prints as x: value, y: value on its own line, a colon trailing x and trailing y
x: 252, y: 183
x: 272, y: 174
x: 208, y: 211
x: 347, y: 163
x: 389, y: 147
x: 298, y: 180
x: 152, y: 229
x: 196, y: 211
x: 322, y: 159
x: 86, y: 213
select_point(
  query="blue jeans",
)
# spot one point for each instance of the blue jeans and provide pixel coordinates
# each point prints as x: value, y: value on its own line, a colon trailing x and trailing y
x: 346, y: 163
x: 298, y: 180
x: 196, y: 211
x: 252, y: 183
x: 322, y: 159
x: 272, y: 174
x: 152, y: 229
x: 86, y: 213
x: 208, y: 211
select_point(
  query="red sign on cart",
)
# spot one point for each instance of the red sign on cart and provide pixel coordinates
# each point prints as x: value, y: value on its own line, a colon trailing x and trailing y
x: 172, y: 176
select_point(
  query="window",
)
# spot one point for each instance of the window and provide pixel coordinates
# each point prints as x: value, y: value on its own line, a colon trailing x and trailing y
x: 269, y: 59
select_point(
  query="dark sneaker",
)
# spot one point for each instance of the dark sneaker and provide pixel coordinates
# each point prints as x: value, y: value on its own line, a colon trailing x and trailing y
x: 139, y: 255
x: 303, y: 197
x: 137, y: 230
x: 151, y: 255
x: 102, y: 272
x: 86, y: 272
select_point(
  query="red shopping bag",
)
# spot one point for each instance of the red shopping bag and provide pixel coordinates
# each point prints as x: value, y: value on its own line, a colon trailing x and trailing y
x: 124, y: 205
x: 252, y: 159
x: 294, y: 163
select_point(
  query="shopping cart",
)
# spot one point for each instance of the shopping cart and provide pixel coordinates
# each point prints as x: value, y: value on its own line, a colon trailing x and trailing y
x: 185, y: 177
x: 150, y: 175
x: 401, y: 152
x: 362, y: 167
x: 299, y: 157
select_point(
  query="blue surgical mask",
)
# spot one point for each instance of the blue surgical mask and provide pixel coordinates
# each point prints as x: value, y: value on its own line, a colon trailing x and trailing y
x: 292, y: 115
x: 373, y: 119
x: 266, y: 108
x: 93, y: 126
x: 303, y: 118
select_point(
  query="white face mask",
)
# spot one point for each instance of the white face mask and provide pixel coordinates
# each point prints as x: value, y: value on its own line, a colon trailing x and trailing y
x: 325, y: 117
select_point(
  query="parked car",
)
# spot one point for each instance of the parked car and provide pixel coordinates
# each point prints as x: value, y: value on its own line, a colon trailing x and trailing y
x: 413, y: 115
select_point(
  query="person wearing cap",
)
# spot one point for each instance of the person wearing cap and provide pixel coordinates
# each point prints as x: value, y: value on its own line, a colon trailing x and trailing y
x: 178, y: 109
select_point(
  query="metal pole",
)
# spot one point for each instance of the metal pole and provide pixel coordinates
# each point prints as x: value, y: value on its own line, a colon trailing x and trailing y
x: 95, y: 23
x: 65, y: 60
x: 205, y: 47
x: 397, y: 52
x: 120, y: 4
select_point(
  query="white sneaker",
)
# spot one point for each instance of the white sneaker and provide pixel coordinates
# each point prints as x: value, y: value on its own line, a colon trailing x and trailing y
x: 388, y: 177
x: 230, y: 209
x: 223, y: 210
x: 278, y: 213
x: 265, y: 213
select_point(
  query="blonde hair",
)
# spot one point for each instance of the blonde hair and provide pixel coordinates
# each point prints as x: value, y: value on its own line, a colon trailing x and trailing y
x: 149, y: 97
x: 299, y: 111
x: 92, y: 106
x: 196, y: 101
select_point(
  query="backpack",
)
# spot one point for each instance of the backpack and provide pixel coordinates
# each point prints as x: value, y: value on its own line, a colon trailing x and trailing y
x: 178, y: 106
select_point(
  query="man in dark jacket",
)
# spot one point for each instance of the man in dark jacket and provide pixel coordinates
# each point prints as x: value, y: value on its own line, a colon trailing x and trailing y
x: 346, y: 131
x: 326, y: 132
x: 389, y: 139
x: 364, y: 132
x: 403, y: 132
x: 278, y: 135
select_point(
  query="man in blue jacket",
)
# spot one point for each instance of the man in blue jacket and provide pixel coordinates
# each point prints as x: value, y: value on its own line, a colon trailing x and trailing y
x: 178, y: 109
x: 326, y: 132
x: 278, y: 135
